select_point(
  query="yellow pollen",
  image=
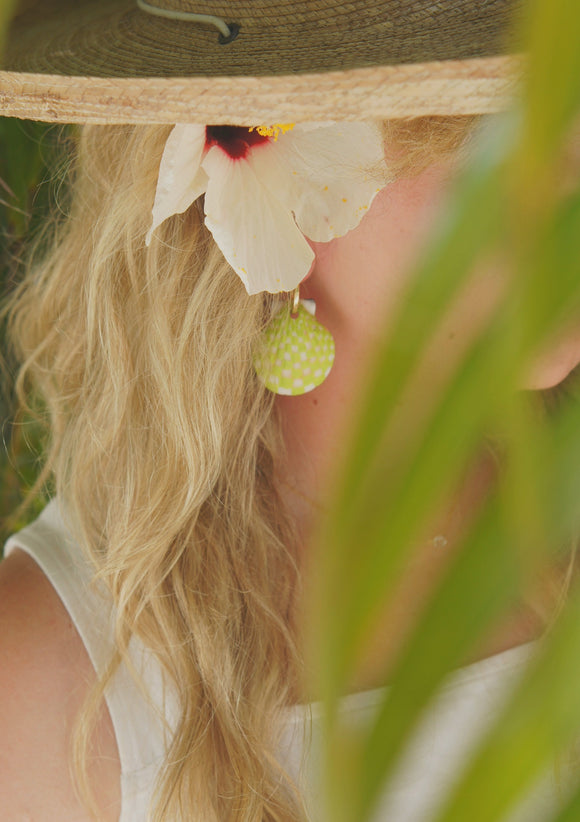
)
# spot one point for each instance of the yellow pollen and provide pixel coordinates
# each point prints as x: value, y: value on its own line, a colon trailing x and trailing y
x: 273, y: 131
x: 344, y: 200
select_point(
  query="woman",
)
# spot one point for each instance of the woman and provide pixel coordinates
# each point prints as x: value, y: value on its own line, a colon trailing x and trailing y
x: 190, y: 492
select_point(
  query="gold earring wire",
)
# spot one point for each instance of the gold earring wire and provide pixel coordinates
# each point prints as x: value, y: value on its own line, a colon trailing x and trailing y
x: 295, y: 302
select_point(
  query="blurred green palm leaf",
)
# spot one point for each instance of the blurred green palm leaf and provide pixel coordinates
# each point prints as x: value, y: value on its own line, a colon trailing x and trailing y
x: 508, y: 203
x: 7, y: 8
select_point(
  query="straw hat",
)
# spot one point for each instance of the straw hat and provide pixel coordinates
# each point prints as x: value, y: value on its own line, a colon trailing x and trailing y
x: 126, y: 61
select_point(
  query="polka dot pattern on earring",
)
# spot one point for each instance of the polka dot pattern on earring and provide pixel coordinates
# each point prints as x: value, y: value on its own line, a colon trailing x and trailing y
x: 294, y: 354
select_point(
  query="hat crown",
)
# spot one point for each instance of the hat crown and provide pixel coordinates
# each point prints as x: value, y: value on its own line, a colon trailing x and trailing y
x: 292, y: 59
x: 400, y: 18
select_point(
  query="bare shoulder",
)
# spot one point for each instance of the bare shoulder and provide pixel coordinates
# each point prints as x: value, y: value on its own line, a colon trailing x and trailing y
x: 45, y: 673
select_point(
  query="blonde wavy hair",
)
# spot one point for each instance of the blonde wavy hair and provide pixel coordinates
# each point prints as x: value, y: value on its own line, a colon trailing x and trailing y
x: 163, y: 446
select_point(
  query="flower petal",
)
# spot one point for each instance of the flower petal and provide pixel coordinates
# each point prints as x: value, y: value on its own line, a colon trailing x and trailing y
x: 254, y: 230
x: 328, y: 176
x: 181, y: 177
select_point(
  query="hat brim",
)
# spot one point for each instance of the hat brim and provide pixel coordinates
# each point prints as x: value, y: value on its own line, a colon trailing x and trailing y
x: 106, y: 61
x: 477, y: 86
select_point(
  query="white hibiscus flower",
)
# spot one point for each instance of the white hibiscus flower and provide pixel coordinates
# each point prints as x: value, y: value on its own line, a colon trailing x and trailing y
x: 267, y: 189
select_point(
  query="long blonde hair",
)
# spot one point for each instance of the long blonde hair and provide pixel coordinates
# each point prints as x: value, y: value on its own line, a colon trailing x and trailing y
x: 163, y: 446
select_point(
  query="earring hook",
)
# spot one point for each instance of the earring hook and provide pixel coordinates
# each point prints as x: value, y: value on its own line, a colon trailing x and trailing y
x: 295, y: 302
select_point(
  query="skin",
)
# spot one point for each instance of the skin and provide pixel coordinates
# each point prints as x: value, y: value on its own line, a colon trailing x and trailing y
x: 357, y: 282
x: 45, y: 673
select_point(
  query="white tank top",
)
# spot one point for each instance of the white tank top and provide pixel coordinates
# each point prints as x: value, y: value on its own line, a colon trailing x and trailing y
x: 465, y: 705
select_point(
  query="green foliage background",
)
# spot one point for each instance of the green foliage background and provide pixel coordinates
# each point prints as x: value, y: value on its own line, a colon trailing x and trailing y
x: 508, y: 201
x: 32, y: 157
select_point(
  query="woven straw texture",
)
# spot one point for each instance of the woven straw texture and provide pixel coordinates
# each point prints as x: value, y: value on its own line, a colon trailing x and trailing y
x: 345, y: 53
x: 113, y: 38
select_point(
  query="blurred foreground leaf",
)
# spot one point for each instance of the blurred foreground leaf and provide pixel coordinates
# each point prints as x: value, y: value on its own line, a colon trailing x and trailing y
x: 7, y: 8
x: 510, y: 206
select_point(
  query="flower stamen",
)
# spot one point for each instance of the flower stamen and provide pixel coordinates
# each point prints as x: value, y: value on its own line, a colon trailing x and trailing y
x: 273, y: 131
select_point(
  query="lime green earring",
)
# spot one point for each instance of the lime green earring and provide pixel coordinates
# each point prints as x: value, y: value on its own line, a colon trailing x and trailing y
x: 295, y: 352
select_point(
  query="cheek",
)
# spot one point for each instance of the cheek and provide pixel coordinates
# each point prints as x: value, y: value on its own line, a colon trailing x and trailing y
x: 465, y: 320
x: 472, y: 311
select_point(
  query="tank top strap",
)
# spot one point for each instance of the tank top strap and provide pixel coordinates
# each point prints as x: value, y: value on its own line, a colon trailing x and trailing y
x: 142, y: 728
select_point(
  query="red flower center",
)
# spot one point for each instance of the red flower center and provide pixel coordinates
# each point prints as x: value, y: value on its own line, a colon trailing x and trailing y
x: 236, y: 141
